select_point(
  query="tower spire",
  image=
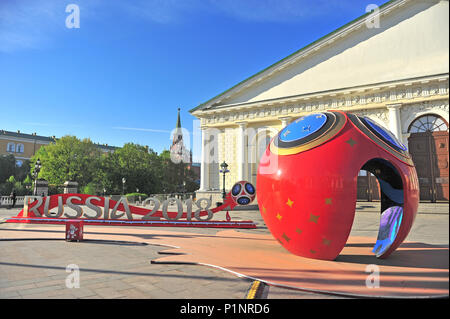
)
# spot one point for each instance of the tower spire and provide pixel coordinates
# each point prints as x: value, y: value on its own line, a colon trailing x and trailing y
x: 178, y: 119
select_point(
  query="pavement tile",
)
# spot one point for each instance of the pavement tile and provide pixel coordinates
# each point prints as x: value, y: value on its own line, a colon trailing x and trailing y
x: 41, y: 290
x: 54, y: 282
x: 82, y: 292
x: 95, y: 285
x: 18, y: 288
x: 9, y: 294
x: 134, y: 293
x: 144, y: 286
x: 65, y: 295
x: 10, y: 283
x: 107, y: 292
x: 119, y: 285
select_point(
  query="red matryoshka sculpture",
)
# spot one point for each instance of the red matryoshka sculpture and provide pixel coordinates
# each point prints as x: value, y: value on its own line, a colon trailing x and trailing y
x: 307, y: 183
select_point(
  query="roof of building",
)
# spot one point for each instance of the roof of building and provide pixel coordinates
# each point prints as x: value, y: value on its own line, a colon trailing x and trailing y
x: 48, y: 139
x: 203, y: 105
x: 107, y: 147
x: 32, y: 136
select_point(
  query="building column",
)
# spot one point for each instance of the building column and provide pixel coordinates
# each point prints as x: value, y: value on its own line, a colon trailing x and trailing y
x: 284, y: 121
x: 240, y: 148
x: 395, y: 124
x: 204, y: 166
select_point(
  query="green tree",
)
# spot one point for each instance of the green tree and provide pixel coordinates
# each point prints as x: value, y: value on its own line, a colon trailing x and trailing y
x: 27, y: 181
x: 7, y: 167
x: 21, y: 172
x: 176, y: 177
x: 90, y: 189
x: 68, y: 159
x: 136, y: 163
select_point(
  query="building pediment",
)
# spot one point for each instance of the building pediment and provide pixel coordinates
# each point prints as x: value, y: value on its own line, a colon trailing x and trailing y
x: 411, y: 42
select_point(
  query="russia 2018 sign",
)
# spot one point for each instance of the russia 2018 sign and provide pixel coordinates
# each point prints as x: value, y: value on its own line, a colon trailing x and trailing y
x: 96, y: 210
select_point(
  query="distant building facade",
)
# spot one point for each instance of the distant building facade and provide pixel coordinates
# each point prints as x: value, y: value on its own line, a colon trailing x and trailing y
x: 23, y: 146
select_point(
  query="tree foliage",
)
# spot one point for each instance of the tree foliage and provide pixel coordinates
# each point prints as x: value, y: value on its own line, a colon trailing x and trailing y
x: 144, y: 171
x: 136, y: 164
x: 7, y: 167
x: 68, y: 159
x: 13, y: 176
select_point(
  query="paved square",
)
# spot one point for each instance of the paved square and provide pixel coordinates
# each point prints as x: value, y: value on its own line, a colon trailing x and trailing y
x: 36, y: 268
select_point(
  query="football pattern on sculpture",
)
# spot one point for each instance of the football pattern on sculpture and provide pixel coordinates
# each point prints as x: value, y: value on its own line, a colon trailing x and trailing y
x: 243, y: 193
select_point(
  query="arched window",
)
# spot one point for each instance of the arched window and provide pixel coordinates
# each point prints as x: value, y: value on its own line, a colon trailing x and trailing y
x: 11, y: 147
x: 428, y: 123
x: 19, y: 148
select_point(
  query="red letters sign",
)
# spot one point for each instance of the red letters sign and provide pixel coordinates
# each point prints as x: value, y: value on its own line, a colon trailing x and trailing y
x: 96, y: 210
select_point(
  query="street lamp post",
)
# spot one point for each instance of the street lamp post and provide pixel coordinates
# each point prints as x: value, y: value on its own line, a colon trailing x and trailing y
x: 37, y: 169
x: 123, y: 185
x: 224, y: 170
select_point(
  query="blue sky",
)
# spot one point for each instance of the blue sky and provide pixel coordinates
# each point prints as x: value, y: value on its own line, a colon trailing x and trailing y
x: 121, y: 76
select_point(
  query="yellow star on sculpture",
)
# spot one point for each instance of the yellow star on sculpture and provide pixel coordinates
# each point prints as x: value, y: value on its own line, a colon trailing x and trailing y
x: 279, y: 216
x: 264, y: 209
x: 328, y: 201
x: 289, y: 203
x: 286, y: 238
x: 326, y: 242
x: 286, y: 133
x: 313, y: 218
x: 351, y: 142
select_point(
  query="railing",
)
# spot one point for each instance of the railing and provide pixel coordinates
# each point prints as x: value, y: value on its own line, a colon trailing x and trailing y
x: 7, y: 201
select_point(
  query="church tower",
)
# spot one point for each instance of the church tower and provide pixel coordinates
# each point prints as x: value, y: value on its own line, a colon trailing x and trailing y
x: 178, y: 151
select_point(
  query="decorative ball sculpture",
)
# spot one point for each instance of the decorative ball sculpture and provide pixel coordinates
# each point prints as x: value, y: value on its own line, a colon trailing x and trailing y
x: 243, y: 193
x: 307, y: 183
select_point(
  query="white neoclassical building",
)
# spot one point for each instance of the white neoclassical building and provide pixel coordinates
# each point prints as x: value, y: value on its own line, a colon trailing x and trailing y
x: 391, y: 65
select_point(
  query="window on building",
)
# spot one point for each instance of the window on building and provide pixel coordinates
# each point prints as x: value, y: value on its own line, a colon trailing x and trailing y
x: 428, y: 123
x: 11, y: 147
x: 19, y: 148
